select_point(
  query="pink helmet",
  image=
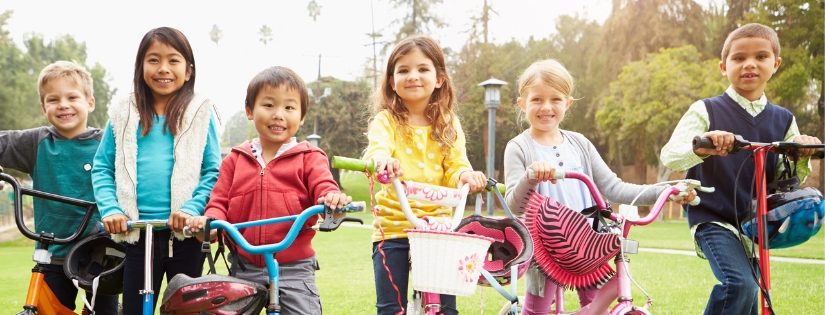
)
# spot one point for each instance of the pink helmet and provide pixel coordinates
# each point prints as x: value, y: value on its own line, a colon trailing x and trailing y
x: 512, y: 246
x: 213, y: 294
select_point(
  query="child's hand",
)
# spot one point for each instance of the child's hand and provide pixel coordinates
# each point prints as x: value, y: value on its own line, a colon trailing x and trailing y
x: 177, y: 220
x: 803, y: 139
x: 543, y: 171
x: 723, y: 141
x: 683, y: 200
x: 335, y: 200
x: 116, y: 224
x: 475, y: 179
x: 392, y: 166
x: 197, y: 223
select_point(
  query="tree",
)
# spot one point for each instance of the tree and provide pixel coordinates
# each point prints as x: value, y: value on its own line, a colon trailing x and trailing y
x: 216, y: 34
x: 649, y: 98
x: 418, y: 19
x: 342, y: 117
x: 266, y: 34
x: 237, y: 130
x: 19, y: 101
x: 799, y: 83
x: 314, y: 10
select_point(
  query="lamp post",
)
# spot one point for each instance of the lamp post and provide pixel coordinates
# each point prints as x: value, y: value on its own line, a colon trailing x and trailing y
x: 492, y: 98
x: 314, y: 138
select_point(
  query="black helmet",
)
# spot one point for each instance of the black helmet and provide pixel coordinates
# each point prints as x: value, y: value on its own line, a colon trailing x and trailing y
x: 97, y: 255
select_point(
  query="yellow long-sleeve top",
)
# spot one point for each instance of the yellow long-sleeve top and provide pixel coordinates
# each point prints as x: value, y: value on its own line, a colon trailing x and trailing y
x: 421, y: 161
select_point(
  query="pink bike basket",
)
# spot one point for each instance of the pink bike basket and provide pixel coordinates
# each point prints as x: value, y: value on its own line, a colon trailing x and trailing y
x: 446, y: 262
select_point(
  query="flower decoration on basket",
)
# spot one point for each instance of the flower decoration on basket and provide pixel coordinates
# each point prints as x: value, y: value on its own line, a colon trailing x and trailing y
x: 470, y: 267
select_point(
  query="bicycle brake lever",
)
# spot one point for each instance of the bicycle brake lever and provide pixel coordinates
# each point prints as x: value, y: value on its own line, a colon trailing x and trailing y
x: 331, y: 224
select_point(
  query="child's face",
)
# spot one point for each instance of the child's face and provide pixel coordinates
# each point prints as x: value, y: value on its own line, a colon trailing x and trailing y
x: 276, y: 114
x: 66, y: 107
x: 749, y: 65
x: 164, y: 71
x: 414, y: 78
x: 544, y: 107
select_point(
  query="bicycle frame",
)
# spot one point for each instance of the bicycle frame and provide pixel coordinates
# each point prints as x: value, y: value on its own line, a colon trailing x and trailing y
x: 429, y: 302
x: 760, y: 150
x: 40, y: 299
x: 618, y: 288
x: 327, y: 225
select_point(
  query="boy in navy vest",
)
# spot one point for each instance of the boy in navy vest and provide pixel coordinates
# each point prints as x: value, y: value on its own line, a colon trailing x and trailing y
x: 59, y: 160
x: 750, y: 57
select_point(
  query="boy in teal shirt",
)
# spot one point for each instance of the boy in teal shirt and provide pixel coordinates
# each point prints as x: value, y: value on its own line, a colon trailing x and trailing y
x: 59, y: 160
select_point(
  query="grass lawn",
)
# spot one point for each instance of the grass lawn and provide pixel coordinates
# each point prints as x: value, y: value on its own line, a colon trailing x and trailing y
x: 679, y: 284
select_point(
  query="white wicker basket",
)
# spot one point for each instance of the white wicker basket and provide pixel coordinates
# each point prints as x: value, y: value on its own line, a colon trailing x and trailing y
x: 446, y: 262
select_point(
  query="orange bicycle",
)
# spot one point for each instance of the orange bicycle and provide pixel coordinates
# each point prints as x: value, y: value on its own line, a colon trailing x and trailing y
x: 40, y: 299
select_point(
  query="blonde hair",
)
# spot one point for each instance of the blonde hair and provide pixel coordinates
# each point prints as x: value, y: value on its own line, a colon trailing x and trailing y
x: 752, y: 30
x: 70, y: 70
x: 549, y: 72
x: 439, y: 111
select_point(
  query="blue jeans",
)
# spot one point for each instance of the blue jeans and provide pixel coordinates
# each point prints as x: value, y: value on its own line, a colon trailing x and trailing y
x: 397, y: 253
x: 66, y: 292
x: 738, y: 292
x: 185, y: 259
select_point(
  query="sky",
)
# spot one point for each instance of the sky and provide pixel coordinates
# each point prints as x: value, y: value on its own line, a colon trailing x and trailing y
x: 112, y: 31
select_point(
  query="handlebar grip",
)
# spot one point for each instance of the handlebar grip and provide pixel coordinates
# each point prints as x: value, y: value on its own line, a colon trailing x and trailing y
x: 819, y: 154
x: 352, y: 164
x: 702, y: 143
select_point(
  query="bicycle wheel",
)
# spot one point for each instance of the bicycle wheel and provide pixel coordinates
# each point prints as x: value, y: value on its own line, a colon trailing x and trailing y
x: 507, y: 309
x: 27, y: 312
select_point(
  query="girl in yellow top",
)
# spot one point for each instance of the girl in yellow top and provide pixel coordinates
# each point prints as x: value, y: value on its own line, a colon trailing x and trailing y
x: 414, y: 135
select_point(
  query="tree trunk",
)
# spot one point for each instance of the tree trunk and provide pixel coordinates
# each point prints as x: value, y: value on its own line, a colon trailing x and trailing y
x: 821, y: 112
x: 639, y: 166
x: 663, y: 172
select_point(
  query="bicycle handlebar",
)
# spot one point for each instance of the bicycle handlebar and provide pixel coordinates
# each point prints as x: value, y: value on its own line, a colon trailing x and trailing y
x: 601, y: 203
x: 46, y: 238
x: 780, y: 147
x: 359, y: 165
x: 327, y: 225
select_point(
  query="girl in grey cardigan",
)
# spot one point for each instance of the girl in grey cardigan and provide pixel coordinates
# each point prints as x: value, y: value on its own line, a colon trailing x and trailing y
x: 545, y: 90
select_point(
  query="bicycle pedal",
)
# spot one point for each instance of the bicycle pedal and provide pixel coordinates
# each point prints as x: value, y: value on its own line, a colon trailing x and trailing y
x: 630, y: 246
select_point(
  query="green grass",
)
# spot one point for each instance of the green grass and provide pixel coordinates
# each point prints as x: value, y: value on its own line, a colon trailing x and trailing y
x: 679, y: 284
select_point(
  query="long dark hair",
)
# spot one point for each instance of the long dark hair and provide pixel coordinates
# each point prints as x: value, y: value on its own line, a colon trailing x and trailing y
x: 143, y: 94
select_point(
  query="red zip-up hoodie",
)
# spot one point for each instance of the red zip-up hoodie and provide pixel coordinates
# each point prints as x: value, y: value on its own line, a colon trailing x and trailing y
x: 287, y: 185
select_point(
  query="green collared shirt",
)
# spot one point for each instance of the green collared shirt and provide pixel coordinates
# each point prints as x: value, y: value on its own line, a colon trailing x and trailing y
x: 678, y: 154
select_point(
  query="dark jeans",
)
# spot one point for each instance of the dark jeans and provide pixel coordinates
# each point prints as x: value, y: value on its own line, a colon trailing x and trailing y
x: 397, y: 252
x: 66, y: 292
x: 186, y: 259
x: 738, y: 292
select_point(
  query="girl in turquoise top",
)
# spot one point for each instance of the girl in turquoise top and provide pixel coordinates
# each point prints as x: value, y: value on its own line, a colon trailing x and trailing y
x: 158, y: 159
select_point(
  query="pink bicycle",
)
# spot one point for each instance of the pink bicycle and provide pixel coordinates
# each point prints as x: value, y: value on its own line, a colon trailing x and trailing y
x: 557, y: 229
x: 444, y: 261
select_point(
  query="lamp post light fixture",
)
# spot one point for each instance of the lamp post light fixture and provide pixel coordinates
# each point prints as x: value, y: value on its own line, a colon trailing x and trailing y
x: 327, y: 92
x: 492, y: 99
x: 314, y: 139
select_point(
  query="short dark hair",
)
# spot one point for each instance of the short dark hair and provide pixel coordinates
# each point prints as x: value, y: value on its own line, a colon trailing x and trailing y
x: 752, y: 30
x: 274, y: 77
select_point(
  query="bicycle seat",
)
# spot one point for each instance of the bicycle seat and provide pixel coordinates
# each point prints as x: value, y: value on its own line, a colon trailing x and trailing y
x: 567, y: 249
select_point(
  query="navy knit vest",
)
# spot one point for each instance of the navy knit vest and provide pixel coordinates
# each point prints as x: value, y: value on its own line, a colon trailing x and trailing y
x: 724, y: 113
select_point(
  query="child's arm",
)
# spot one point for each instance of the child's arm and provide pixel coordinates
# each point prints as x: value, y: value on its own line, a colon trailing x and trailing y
x: 518, y: 185
x: 678, y: 153
x: 457, y: 168
x: 218, y: 206
x: 613, y: 188
x: 209, y: 175
x: 18, y: 148
x: 103, y: 181
x: 319, y: 181
x: 381, y: 136
x: 803, y: 166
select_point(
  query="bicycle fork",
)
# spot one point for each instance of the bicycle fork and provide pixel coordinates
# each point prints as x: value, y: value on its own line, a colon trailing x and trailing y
x: 424, y: 303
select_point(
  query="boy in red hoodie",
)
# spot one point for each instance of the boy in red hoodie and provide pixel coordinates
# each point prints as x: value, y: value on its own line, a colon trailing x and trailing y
x: 274, y: 176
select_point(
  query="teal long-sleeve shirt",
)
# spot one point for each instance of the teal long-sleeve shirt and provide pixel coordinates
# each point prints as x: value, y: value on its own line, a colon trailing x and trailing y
x: 154, y: 172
